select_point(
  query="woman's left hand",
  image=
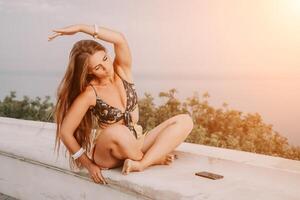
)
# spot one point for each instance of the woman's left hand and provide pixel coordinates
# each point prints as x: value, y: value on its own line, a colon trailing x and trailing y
x: 69, y: 30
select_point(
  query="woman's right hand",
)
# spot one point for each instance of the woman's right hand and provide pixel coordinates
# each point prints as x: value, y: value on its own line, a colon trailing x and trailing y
x: 95, y: 173
x: 69, y: 30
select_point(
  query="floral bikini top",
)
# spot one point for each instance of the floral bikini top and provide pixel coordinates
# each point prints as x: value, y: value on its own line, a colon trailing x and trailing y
x: 108, y: 114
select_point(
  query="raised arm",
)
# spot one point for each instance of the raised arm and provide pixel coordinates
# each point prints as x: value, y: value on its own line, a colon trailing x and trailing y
x: 121, y: 48
x: 122, y: 58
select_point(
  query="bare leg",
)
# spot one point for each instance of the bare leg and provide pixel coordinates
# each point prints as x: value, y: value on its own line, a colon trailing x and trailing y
x: 167, y: 140
x: 165, y: 160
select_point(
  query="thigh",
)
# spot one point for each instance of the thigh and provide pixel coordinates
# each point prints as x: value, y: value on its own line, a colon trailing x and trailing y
x: 105, y: 145
x: 102, y: 145
x: 153, y: 133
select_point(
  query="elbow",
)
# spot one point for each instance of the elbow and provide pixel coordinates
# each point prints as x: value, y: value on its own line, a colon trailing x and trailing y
x: 121, y: 38
x: 63, y: 134
x: 121, y: 35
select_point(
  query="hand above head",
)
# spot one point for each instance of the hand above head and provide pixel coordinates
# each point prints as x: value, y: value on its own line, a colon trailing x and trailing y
x: 69, y: 30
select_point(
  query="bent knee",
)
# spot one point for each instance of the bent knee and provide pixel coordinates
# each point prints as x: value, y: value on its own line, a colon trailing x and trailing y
x: 186, y: 120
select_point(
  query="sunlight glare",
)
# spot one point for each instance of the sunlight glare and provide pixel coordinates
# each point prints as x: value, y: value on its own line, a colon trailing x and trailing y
x: 290, y: 7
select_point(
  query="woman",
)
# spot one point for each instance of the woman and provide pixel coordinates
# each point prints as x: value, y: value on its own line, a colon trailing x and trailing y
x: 99, y: 94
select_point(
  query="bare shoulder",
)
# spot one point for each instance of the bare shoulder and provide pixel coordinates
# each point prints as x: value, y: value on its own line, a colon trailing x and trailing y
x: 89, y: 96
x: 125, y: 73
x: 85, y: 99
x: 77, y: 110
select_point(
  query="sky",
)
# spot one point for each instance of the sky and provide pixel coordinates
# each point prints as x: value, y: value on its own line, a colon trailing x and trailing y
x: 192, y: 38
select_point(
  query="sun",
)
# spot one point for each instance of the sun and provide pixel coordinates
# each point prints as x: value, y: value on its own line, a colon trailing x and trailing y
x: 290, y: 8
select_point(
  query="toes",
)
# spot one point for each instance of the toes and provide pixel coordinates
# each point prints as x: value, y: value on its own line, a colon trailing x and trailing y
x: 127, y: 166
x: 125, y: 172
x: 171, y: 157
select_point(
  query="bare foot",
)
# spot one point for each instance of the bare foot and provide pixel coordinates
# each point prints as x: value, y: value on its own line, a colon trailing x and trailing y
x: 166, y: 160
x: 130, y: 166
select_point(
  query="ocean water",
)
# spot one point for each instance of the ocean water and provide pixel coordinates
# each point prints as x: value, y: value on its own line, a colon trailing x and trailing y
x: 277, y: 100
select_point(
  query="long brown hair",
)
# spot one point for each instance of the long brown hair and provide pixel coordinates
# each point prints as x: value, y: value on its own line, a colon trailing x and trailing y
x: 74, y: 82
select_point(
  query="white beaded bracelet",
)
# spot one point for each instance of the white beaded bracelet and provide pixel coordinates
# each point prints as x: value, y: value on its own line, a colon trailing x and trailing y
x: 78, y: 153
x: 95, y: 31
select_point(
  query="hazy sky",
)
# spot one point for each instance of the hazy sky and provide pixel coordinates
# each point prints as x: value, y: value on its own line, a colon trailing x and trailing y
x: 232, y: 38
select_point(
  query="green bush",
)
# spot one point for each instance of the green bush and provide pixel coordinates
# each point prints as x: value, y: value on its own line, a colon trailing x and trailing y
x: 27, y: 108
x: 220, y: 127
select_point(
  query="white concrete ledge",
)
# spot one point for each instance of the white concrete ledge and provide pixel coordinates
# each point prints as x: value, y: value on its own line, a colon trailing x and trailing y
x: 29, y: 170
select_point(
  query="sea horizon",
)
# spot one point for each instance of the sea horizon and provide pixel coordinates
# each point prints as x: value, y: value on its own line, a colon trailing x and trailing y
x: 276, y: 100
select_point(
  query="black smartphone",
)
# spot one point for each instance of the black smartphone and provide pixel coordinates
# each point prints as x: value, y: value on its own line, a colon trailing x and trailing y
x: 209, y: 175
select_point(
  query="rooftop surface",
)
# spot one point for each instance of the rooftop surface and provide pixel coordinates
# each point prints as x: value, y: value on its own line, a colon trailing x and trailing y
x: 29, y: 170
